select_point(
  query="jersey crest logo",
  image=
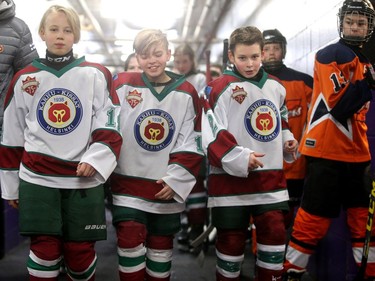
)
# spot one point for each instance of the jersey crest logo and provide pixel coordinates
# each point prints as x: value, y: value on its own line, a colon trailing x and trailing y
x: 134, y: 98
x: 59, y: 111
x: 262, y: 121
x: 30, y: 85
x: 154, y: 129
x: 238, y: 94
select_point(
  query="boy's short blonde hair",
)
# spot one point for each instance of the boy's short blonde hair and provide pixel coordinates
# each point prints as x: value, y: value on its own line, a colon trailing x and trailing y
x: 247, y: 35
x: 71, y: 15
x: 147, y: 38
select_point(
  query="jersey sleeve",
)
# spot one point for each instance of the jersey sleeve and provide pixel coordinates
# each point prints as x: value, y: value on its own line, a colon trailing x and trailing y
x: 287, y: 135
x: 222, y: 148
x: 186, y: 156
x: 106, y: 139
x: 12, y: 143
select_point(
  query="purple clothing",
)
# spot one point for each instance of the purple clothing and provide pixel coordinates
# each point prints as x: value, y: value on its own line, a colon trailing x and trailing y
x: 370, y: 121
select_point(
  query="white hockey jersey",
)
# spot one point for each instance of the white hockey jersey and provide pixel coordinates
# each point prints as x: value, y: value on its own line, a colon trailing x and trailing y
x: 55, y: 119
x: 249, y: 116
x: 161, y: 140
x: 198, y: 80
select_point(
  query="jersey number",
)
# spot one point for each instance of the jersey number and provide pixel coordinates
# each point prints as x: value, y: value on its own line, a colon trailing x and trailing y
x: 111, y: 118
x: 336, y: 83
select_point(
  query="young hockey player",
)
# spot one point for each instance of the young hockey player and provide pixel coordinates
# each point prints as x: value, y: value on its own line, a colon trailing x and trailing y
x: 335, y: 142
x: 246, y: 159
x: 159, y: 162
x: 60, y: 143
x: 298, y: 87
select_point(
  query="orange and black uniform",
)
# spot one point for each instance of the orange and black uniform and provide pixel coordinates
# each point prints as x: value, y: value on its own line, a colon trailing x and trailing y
x: 337, y: 153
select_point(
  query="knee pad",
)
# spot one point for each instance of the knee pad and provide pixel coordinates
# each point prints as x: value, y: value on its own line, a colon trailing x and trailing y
x: 160, y: 242
x: 46, y: 247
x: 270, y: 228
x: 79, y: 256
x: 130, y: 234
x: 45, y: 256
x: 231, y: 242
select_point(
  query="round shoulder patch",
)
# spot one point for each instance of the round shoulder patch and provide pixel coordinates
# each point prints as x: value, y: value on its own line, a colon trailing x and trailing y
x: 154, y: 129
x: 262, y: 121
x: 59, y: 111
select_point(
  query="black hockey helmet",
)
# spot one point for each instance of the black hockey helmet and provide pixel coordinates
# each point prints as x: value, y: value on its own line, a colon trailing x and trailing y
x: 359, y: 7
x: 275, y: 36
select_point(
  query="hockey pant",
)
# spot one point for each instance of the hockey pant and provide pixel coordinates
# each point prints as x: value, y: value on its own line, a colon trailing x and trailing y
x: 230, y: 247
x: 46, y: 253
x: 309, y: 229
x: 138, y: 262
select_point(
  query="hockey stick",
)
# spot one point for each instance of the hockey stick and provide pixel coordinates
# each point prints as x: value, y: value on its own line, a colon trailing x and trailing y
x: 208, y: 66
x: 366, y: 245
x: 225, y: 54
x: 201, y: 238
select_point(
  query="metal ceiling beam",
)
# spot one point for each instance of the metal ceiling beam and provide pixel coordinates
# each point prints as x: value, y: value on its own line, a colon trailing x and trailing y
x: 202, y: 18
x: 189, y: 11
x: 99, y: 31
x: 212, y: 34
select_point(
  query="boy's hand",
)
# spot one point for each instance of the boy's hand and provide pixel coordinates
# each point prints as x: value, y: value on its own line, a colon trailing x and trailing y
x: 85, y: 170
x: 13, y: 203
x: 166, y: 193
x: 254, y: 163
x: 291, y: 147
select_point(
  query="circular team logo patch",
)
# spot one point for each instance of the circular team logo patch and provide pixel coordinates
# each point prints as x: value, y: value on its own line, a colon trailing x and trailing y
x: 59, y: 111
x: 154, y: 129
x: 262, y: 121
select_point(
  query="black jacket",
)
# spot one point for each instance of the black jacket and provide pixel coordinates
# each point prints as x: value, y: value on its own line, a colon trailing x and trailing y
x: 16, y: 48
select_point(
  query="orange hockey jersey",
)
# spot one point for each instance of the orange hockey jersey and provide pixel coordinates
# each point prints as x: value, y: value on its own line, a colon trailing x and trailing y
x: 336, y: 128
x: 298, y: 86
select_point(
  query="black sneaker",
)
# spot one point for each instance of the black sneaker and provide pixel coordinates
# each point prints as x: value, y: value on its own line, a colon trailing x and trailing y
x: 293, y: 275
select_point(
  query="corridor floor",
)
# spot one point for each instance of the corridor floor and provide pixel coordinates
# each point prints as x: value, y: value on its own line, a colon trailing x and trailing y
x: 185, y: 266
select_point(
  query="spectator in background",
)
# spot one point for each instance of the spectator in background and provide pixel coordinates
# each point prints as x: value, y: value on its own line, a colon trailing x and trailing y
x: 216, y: 71
x: 131, y: 64
x: 298, y: 87
x: 335, y: 143
x: 17, y: 48
x: 184, y: 63
x: 17, y: 51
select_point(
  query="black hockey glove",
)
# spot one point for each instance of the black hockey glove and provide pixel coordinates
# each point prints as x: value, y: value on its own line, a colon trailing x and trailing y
x: 370, y: 77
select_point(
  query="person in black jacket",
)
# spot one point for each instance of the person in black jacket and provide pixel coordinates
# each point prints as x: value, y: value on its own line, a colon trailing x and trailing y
x: 16, y: 51
x: 16, y: 48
